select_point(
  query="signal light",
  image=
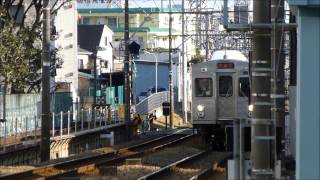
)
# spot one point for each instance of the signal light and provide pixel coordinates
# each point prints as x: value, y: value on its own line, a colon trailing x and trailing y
x: 225, y: 65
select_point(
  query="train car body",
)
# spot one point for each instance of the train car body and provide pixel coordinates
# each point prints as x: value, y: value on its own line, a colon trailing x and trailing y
x: 220, y: 90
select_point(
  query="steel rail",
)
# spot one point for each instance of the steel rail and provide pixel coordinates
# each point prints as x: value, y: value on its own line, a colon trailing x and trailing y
x: 204, y: 174
x: 169, y: 167
x: 72, y: 166
x: 122, y: 155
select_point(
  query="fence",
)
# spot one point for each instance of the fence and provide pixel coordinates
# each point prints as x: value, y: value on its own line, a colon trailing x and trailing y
x: 27, y: 129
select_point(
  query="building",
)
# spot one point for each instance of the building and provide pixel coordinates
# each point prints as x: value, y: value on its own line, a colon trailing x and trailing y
x: 308, y: 88
x: 65, y: 23
x: 97, y: 39
x: 148, y: 26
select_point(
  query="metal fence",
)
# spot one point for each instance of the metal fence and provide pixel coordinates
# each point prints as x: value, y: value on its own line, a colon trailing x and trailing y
x: 64, y: 124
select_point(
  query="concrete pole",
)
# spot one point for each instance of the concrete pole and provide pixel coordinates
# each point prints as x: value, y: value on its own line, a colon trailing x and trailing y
x: 207, y: 36
x: 127, y: 88
x: 35, y: 129
x: 4, y: 110
x: 45, y: 95
x: 69, y: 117
x: 26, y: 129
x: 277, y: 64
x: 61, y: 123
x: 171, y: 96
x: 293, y: 53
x: 156, y: 73
x: 184, y: 68
x: 261, y: 116
x: 16, y: 130
x: 53, y: 119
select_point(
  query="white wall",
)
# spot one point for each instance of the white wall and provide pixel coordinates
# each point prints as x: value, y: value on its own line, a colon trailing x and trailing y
x: 106, y: 53
x: 66, y: 26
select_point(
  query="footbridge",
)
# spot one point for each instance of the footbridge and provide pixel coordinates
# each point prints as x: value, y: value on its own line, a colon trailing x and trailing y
x: 152, y: 102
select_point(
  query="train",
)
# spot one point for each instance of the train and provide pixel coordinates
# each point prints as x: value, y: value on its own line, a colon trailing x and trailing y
x: 220, y: 94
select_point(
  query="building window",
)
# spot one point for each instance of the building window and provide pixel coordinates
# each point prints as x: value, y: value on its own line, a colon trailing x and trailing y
x: 112, y: 22
x: 204, y: 87
x: 225, y: 86
x: 81, y: 64
x: 85, y: 20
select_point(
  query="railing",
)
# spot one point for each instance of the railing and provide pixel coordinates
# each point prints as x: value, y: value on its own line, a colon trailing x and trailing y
x: 21, y: 130
x: 152, y: 102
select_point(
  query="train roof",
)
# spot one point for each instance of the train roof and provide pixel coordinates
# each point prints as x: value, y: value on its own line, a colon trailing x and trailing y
x: 228, y: 54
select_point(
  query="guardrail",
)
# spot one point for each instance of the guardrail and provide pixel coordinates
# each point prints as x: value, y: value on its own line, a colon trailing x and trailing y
x: 152, y: 102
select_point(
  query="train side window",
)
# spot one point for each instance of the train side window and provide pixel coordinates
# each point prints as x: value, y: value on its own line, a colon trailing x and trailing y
x: 225, y: 86
x: 244, y: 87
x: 203, y: 87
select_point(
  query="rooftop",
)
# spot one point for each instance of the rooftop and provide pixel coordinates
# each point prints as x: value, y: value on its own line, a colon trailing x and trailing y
x: 92, y: 9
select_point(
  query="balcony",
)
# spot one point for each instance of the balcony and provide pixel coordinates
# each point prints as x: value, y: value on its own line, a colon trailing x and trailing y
x: 94, y: 4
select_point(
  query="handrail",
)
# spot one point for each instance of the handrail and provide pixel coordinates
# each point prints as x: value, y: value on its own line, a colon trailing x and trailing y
x: 152, y: 102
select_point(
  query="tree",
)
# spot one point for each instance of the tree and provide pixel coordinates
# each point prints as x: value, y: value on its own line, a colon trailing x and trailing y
x: 25, y: 19
x: 196, y: 58
x: 14, y: 56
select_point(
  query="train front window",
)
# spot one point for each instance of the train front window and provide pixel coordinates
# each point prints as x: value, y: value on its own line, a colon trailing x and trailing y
x: 244, y: 87
x: 203, y: 87
x: 225, y: 86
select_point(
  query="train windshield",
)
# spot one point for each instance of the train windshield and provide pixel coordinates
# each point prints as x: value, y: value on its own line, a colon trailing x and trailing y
x: 203, y: 87
x: 225, y: 86
x: 244, y: 87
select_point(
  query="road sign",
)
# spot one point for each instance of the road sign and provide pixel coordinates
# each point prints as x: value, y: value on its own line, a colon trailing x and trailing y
x: 166, y: 108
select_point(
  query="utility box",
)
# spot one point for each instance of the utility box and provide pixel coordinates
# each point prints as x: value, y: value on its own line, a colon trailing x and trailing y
x: 166, y: 108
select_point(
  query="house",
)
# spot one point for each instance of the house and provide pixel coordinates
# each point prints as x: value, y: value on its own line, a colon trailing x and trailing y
x: 149, y: 26
x: 97, y: 39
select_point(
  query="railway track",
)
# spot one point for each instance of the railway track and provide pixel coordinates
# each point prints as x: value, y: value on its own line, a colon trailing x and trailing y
x: 75, y: 167
x: 200, y: 165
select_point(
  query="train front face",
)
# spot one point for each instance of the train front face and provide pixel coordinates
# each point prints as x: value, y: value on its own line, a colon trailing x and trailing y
x: 220, y: 91
x: 203, y: 94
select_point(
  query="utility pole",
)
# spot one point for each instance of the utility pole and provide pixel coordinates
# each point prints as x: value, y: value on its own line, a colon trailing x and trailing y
x: 184, y: 68
x: 45, y: 116
x: 95, y: 82
x: 207, y: 37
x: 261, y: 76
x: 127, y: 88
x: 293, y: 53
x: 171, y: 96
x: 277, y: 76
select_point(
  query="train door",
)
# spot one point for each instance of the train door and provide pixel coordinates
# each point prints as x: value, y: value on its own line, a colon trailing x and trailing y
x: 225, y: 96
x: 243, y: 96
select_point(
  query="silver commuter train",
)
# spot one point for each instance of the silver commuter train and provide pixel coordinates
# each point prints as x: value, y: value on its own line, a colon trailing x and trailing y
x: 220, y: 91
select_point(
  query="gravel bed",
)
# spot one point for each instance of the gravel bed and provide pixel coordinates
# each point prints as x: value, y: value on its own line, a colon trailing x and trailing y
x: 150, y: 163
x: 124, y: 172
x: 194, y: 167
x: 169, y: 155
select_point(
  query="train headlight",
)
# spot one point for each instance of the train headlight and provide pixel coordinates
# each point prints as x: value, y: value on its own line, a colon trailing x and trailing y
x: 200, y: 108
x: 250, y: 108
